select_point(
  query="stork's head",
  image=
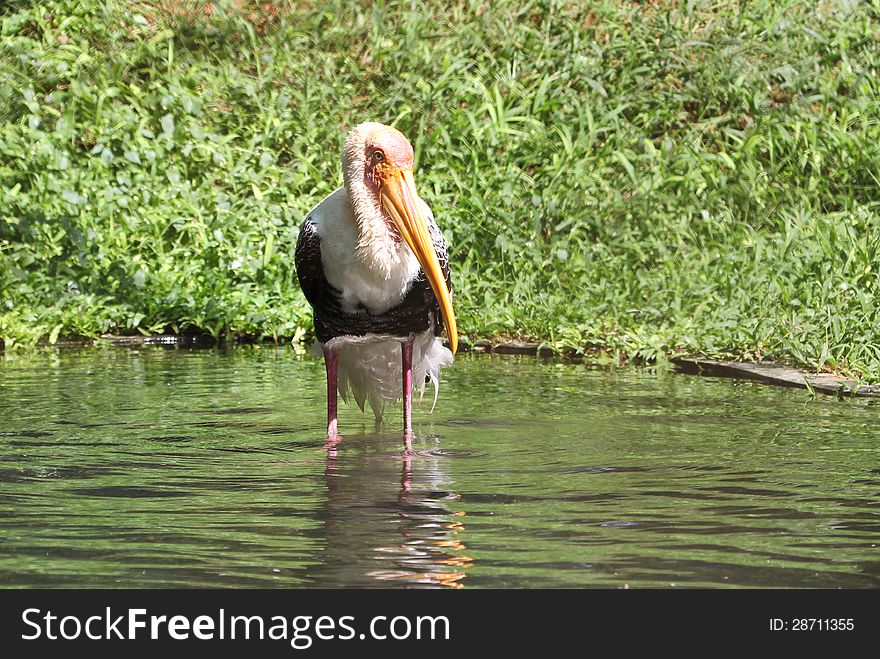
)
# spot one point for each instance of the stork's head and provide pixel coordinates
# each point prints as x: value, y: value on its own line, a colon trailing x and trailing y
x: 377, y: 164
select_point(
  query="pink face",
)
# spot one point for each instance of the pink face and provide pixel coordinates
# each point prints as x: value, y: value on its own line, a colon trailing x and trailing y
x: 387, y: 151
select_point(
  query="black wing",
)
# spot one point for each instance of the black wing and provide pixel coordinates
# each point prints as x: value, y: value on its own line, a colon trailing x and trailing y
x: 439, y: 243
x: 309, y: 270
x: 331, y: 319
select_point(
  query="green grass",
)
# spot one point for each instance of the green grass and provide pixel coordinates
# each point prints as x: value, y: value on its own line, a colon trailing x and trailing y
x: 650, y: 178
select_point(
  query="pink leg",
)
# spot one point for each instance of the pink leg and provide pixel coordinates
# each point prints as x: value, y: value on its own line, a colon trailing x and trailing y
x: 331, y: 362
x: 406, y: 351
x: 406, y: 476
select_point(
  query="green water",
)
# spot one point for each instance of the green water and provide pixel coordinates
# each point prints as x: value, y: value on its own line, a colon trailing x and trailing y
x: 159, y: 467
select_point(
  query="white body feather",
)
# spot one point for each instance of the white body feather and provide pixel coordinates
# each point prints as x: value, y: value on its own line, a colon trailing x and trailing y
x: 377, y: 276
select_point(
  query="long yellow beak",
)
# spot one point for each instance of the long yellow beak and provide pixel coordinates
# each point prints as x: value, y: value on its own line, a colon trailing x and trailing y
x: 401, y: 202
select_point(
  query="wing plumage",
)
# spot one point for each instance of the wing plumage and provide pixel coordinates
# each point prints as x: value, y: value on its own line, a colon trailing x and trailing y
x: 439, y: 243
x: 309, y: 270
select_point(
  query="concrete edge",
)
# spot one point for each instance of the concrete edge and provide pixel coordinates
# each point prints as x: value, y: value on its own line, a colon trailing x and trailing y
x: 775, y: 374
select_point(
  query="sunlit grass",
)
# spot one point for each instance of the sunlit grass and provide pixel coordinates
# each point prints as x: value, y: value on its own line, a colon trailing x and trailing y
x: 651, y: 178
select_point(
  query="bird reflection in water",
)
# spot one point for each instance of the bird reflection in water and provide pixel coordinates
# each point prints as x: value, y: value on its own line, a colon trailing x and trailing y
x: 406, y: 534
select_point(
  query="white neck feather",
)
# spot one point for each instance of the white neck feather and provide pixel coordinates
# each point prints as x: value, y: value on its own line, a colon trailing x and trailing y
x: 378, y: 247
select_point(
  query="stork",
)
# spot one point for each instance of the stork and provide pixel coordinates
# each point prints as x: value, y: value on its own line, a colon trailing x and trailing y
x: 373, y: 264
